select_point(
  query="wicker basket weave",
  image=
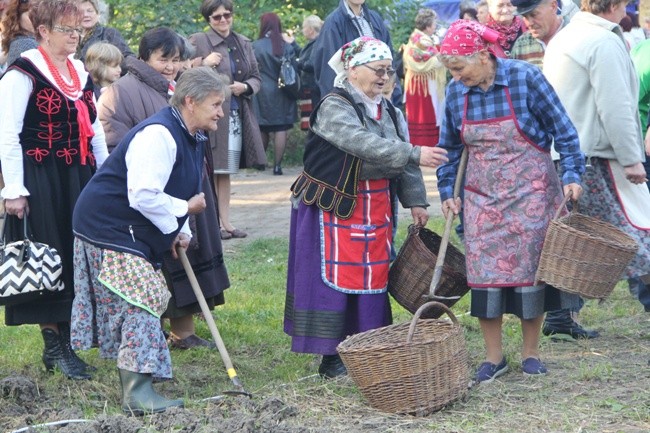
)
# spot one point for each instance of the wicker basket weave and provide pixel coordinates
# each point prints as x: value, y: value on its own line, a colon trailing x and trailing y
x: 584, y: 255
x: 411, y: 273
x: 414, y: 368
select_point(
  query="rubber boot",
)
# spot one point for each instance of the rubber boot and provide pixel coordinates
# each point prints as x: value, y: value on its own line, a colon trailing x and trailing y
x: 139, y: 397
x: 55, y: 354
x: 64, y: 332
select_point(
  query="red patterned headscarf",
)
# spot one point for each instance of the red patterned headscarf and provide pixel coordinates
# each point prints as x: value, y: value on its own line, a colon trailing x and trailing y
x: 466, y: 37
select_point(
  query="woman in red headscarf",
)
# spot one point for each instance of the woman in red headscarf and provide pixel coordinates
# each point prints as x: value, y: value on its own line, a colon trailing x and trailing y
x: 506, y: 115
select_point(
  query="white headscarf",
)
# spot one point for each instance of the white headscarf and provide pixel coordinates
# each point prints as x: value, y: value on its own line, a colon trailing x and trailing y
x: 356, y: 53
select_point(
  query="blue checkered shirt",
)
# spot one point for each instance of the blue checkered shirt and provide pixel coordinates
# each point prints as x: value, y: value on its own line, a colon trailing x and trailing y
x: 538, y: 109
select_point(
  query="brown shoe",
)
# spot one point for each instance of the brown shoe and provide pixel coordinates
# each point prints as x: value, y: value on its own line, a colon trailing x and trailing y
x: 189, y: 343
x: 237, y: 234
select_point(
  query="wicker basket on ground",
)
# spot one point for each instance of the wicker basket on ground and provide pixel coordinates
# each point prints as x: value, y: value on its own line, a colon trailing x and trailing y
x: 411, y: 273
x: 415, y: 368
x: 584, y: 255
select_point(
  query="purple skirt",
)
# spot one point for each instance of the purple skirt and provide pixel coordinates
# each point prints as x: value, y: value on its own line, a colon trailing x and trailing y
x: 316, y: 316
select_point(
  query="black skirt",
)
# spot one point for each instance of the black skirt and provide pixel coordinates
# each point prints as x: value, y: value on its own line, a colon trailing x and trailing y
x: 205, y: 254
x: 54, y: 188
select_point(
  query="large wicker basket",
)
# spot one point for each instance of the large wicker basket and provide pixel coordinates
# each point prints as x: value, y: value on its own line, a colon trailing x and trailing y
x: 410, y: 275
x: 414, y: 368
x: 584, y: 255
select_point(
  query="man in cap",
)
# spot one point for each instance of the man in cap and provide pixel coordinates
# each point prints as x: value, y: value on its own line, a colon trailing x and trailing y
x: 544, y: 21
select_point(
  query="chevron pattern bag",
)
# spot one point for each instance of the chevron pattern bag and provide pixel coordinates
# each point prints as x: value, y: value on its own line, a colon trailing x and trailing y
x: 28, y: 269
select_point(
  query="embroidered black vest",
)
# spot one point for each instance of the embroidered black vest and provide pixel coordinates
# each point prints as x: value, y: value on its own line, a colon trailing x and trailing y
x: 50, y: 128
x: 330, y: 177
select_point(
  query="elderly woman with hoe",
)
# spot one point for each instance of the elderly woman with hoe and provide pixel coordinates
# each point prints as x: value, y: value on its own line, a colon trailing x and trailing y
x: 133, y: 212
x: 507, y: 116
x: 341, y: 221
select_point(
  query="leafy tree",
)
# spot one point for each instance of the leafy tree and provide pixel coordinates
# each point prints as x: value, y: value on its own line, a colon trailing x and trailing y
x: 134, y: 17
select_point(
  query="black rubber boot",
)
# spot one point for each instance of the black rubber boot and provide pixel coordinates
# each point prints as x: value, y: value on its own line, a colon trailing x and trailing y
x: 332, y: 366
x: 139, y: 397
x: 56, y: 354
x: 64, y: 332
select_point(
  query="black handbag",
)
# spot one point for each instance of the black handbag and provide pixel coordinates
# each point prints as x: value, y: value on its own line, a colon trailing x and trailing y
x: 28, y: 269
x: 288, y: 79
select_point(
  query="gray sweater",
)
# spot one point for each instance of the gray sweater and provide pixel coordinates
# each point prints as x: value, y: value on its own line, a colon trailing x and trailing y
x: 383, y: 154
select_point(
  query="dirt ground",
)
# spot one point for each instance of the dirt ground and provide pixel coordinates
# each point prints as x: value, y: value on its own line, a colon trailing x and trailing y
x: 260, y: 202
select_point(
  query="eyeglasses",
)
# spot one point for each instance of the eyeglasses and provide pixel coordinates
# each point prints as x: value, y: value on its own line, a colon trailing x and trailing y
x: 67, y: 30
x: 218, y: 17
x: 380, y: 72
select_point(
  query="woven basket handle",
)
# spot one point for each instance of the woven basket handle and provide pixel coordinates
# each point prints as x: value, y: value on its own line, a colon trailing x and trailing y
x: 565, y: 200
x: 424, y: 308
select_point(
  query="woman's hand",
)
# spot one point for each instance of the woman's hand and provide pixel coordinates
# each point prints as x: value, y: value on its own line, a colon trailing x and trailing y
x: 212, y: 60
x: 636, y: 173
x: 196, y: 204
x: 575, y: 189
x: 237, y: 88
x: 182, y: 240
x: 453, y: 205
x: 432, y: 156
x: 288, y: 37
x: 17, y: 206
x: 420, y: 216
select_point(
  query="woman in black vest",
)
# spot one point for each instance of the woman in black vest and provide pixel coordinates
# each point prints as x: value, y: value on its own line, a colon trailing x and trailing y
x: 134, y: 211
x: 341, y: 221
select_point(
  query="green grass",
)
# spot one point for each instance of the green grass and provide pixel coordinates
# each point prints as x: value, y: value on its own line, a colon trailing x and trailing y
x: 600, y: 385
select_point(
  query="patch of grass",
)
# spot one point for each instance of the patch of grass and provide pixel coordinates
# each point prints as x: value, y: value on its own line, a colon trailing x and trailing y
x: 597, y: 385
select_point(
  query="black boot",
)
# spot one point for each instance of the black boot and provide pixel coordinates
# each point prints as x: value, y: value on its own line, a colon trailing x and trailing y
x: 64, y: 332
x: 561, y: 322
x: 332, y: 366
x: 277, y: 170
x: 139, y: 397
x: 56, y: 354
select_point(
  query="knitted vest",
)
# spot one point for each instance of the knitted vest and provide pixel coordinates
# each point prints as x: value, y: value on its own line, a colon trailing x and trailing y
x: 103, y: 216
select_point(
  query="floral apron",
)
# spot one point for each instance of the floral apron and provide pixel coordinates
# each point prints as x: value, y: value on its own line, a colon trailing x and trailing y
x: 511, y: 193
x: 355, y: 252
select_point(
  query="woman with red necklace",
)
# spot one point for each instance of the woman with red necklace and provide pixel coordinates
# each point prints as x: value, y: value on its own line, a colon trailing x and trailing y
x: 51, y: 143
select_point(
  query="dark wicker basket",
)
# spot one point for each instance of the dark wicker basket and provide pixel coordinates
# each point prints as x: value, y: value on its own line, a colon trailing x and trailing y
x: 411, y: 273
x: 415, y: 368
x: 584, y: 255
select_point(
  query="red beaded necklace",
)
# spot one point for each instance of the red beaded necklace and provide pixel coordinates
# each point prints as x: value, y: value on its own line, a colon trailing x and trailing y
x: 72, y: 90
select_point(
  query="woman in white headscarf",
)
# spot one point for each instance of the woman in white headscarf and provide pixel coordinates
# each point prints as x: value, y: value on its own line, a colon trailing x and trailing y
x: 341, y: 220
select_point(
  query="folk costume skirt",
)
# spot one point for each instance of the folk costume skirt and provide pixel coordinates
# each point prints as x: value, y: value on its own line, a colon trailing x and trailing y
x: 316, y: 316
x: 234, y: 143
x: 123, y: 331
x: 600, y: 200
